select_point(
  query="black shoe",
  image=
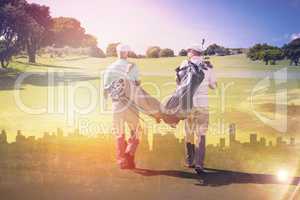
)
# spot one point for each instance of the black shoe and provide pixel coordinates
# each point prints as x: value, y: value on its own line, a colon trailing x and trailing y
x: 191, y: 166
x: 200, y: 170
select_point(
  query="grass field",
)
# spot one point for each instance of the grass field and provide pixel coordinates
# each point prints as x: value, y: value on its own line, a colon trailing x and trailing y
x: 229, y: 104
x: 87, y: 173
x: 227, y: 63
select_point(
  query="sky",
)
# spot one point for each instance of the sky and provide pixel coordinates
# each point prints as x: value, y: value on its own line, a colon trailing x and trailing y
x: 176, y: 24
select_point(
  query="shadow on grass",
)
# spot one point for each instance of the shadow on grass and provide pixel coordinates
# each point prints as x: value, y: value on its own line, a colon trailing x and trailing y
x: 8, y: 78
x: 215, y: 177
x: 47, y: 65
x: 76, y: 59
x: 43, y: 79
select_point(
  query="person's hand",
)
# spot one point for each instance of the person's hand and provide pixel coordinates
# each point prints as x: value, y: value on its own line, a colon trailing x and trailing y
x: 208, y: 64
x: 137, y: 83
x: 213, y: 85
x: 171, y: 120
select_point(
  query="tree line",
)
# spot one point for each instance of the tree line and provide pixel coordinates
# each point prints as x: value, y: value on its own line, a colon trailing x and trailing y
x: 271, y: 54
x: 158, y: 52
x: 29, y: 26
x: 151, y: 52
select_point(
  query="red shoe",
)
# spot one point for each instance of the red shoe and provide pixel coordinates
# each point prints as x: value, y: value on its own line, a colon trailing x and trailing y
x: 124, y: 164
x: 130, y: 161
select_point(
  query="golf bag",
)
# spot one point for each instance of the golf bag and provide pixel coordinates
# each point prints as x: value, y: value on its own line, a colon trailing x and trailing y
x: 188, y: 79
x: 135, y: 97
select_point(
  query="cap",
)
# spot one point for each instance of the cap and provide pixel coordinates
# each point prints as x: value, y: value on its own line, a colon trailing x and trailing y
x: 196, y: 47
x: 123, y: 48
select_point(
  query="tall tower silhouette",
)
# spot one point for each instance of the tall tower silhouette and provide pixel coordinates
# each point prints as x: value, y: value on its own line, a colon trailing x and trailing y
x: 253, y: 139
x: 3, y: 137
x: 232, y: 134
x: 292, y: 141
x: 222, y: 143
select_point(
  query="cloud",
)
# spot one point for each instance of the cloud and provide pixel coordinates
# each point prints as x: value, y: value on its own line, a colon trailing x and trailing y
x: 295, y: 36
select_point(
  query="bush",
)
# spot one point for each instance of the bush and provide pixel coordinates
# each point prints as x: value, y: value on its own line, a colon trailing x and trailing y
x: 96, y: 52
x: 257, y: 51
x: 266, y: 53
x: 153, y: 52
x: 215, y: 49
x: 65, y: 51
x: 131, y: 54
x: 141, y: 56
x: 182, y: 52
x: 166, y: 53
x: 111, y: 50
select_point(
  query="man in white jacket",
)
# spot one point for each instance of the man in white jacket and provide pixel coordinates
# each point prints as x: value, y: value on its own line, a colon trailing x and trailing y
x: 121, y: 82
x: 122, y: 69
x: 196, y: 124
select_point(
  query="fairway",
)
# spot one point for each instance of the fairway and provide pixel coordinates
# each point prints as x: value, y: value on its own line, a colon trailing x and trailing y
x: 48, y: 90
x: 229, y: 104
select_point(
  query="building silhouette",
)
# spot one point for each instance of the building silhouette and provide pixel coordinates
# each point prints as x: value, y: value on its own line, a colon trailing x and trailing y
x: 222, y: 143
x: 292, y: 141
x: 232, y: 135
x: 253, y: 139
x: 20, y: 138
x: 3, y: 137
x: 59, y: 149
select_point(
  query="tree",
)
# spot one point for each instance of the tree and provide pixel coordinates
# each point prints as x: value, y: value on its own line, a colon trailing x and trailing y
x: 255, y: 52
x: 38, y: 26
x: 29, y: 27
x: 273, y: 55
x: 6, y: 53
x: 111, y: 50
x: 12, y: 20
x: 266, y: 53
x: 166, y: 53
x: 215, y: 49
x: 182, y: 52
x: 96, y: 52
x: 141, y: 56
x: 132, y: 54
x: 68, y: 32
x: 292, y: 51
x: 89, y: 41
x: 153, y: 52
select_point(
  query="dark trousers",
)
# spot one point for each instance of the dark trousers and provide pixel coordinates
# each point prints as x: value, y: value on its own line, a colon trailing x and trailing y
x: 200, y: 152
x: 195, y: 154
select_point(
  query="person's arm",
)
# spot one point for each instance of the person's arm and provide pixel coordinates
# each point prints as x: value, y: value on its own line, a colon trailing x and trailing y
x: 106, y: 83
x: 182, y: 65
x: 133, y: 73
x: 106, y: 77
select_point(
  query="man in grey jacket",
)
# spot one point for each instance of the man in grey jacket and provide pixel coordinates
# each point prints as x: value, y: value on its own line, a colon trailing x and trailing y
x: 196, y: 123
